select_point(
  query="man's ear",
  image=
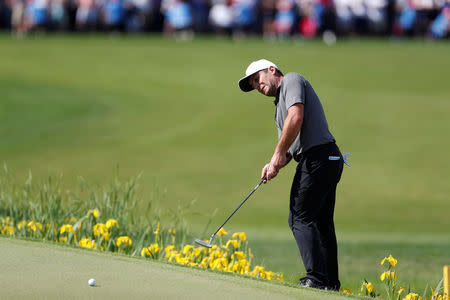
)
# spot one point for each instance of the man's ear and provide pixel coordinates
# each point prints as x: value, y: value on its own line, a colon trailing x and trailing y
x: 272, y: 69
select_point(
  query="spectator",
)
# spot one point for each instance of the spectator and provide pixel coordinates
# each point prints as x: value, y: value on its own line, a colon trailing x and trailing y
x: 36, y: 15
x: 244, y: 16
x: 200, y: 12
x: 58, y: 19
x: 377, y: 15
x: 285, y: 18
x: 5, y: 14
x: 18, y: 17
x: 221, y: 17
x: 87, y: 15
x: 178, y: 17
x: 113, y: 15
x: 440, y: 27
x: 268, y: 12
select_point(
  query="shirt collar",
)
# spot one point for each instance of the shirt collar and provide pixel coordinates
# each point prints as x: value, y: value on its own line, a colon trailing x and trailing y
x: 277, y: 96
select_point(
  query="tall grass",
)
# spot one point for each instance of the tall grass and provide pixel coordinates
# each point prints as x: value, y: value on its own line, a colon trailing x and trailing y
x: 47, y: 203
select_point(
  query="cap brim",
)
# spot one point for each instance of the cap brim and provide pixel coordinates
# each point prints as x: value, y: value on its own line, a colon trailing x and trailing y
x: 244, y: 85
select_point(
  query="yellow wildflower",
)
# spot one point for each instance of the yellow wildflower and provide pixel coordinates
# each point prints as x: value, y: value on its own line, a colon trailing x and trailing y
x: 21, y: 224
x: 111, y: 222
x: 411, y: 296
x: 347, y: 291
x: 368, y: 285
x: 392, y: 261
x: 106, y: 236
x: 125, y: 240
x: 94, y: 212
x: 9, y: 229
x: 169, y: 248
x: 222, y: 232
x: 157, y: 228
x: 385, y: 275
x: 259, y: 272
x: 187, y: 248
x: 153, y: 249
x: 239, y: 235
x: 66, y: 228
x: 238, y: 255
x: 234, y: 243
x: 63, y: 239
x: 34, y: 226
x: 401, y: 290
x: 100, y: 229
x: 87, y: 243
x: 173, y: 230
x: 393, y: 275
x: 145, y: 252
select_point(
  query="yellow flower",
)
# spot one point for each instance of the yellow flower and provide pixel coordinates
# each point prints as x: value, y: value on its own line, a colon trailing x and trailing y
x: 401, y: 290
x: 125, y: 240
x: 34, y: 226
x: 411, y: 296
x: 368, y: 286
x: 234, y: 243
x: 222, y: 232
x: 106, y: 236
x: 66, y: 228
x: 259, y: 271
x: 239, y: 235
x: 94, y: 212
x: 9, y: 229
x: 157, y: 228
x: 187, y: 248
x: 63, y: 239
x: 392, y: 261
x: 153, y: 249
x: 21, y: 224
x: 238, y: 255
x: 169, y: 248
x: 145, y: 252
x: 111, y: 222
x: 100, y: 229
x: 347, y: 291
x: 173, y: 231
x: 87, y: 243
x: 385, y: 275
x: 393, y: 275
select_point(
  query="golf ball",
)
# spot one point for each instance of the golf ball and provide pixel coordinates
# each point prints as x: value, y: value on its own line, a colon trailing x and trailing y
x: 92, y: 282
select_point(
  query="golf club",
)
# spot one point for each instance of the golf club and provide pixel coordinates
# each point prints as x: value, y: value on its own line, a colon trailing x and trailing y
x: 208, y: 244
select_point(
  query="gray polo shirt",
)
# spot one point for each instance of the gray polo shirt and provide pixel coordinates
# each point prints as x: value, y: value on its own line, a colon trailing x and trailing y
x: 294, y: 88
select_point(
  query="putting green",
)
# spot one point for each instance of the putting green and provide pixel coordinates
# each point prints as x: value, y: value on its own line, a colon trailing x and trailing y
x: 41, y: 270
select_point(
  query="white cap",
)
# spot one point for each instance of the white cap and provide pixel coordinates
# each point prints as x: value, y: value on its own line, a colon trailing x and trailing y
x: 254, y: 67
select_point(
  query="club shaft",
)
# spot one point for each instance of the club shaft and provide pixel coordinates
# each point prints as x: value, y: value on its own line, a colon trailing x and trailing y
x: 237, y: 209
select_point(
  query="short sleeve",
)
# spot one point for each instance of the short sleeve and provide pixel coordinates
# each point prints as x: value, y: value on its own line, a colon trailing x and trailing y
x: 294, y: 89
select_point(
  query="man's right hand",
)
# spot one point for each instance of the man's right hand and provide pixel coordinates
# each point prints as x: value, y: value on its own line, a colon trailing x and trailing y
x: 264, y: 173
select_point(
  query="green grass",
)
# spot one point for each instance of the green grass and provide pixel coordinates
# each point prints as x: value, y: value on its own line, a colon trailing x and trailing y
x: 48, y: 271
x: 97, y: 106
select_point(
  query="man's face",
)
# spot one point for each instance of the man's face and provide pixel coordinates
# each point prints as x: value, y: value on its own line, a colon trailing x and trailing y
x: 265, y: 82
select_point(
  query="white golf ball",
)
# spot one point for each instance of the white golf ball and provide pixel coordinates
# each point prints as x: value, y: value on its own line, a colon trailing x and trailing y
x: 92, y: 282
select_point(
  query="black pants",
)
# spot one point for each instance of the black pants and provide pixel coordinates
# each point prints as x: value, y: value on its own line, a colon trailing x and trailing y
x: 313, y: 196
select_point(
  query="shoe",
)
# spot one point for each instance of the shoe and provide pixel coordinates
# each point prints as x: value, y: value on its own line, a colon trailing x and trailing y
x: 310, y: 283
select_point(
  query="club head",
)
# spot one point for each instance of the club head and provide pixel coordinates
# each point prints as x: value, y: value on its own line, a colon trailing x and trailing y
x: 203, y: 243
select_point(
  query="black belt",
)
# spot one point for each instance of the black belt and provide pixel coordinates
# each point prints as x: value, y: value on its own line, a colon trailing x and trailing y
x: 300, y: 156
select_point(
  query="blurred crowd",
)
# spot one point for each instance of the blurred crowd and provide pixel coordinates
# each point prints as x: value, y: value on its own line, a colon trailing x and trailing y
x: 271, y: 18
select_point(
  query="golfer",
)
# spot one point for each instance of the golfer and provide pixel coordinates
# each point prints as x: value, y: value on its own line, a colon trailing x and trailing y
x: 303, y: 135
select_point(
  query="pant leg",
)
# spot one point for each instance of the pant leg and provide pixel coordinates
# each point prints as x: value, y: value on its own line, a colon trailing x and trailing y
x: 328, y: 240
x: 312, y: 202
